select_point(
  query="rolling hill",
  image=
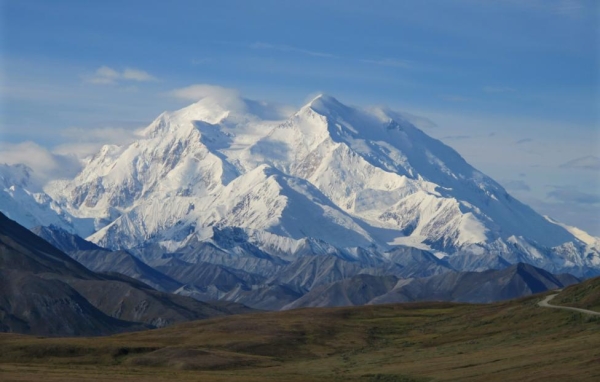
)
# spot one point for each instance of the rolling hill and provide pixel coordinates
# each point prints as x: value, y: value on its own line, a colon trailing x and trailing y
x: 512, y: 340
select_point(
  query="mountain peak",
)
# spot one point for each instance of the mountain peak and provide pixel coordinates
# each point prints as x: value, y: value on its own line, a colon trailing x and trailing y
x: 213, y: 109
x: 230, y: 110
x: 328, y: 171
x: 325, y: 104
x: 323, y: 97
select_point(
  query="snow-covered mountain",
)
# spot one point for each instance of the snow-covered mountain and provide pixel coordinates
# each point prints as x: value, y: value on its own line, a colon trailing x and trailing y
x: 355, y: 182
x: 24, y: 201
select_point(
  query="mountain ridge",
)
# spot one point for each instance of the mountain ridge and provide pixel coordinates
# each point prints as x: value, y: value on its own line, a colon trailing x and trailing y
x: 43, y: 291
x: 350, y: 177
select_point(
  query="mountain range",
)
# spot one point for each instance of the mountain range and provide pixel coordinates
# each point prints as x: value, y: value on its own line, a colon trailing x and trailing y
x: 45, y: 292
x: 227, y: 200
x: 314, y: 280
x: 328, y: 179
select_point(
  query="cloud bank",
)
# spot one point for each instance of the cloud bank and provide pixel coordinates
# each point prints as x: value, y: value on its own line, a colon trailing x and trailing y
x: 45, y: 164
x: 232, y: 100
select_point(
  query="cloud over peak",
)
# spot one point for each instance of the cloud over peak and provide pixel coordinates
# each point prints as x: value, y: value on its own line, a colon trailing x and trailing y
x: 45, y: 164
x: 199, y: 91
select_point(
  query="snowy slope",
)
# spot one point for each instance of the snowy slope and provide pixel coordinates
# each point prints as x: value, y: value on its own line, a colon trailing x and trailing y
x: 22, y: 200
x: 356, y: 181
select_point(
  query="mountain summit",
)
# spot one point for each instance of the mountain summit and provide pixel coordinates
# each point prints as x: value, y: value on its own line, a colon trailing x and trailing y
x: 357, y: 180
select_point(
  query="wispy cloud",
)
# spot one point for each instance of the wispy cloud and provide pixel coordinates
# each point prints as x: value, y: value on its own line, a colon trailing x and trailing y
x: 291, y: 49
x: 105, y: 75
x: 390, y: 62
x: 588, y: 162
x: 516, y: 185
x: 498, y: 89
x: 524, y: 140
x: 572, y: 195
x: 457, y: 137
x: 83, y: 142
x: 137, y: 75
x: 232, y: 100
x: 419, y: 121
x: 584, y: 216
x: 467, y: 136
x: 454, y: 98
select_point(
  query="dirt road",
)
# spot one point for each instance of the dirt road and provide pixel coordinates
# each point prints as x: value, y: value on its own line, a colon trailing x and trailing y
x: 545, y: 304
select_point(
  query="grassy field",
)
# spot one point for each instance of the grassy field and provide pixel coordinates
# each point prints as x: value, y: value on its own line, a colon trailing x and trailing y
x: 585, y: 295
x: 512, y: 341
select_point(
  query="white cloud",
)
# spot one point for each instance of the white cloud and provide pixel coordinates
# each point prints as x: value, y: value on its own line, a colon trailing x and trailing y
x: 83, y: 142
x: 137, y: 75
x: 221, y: 96
x: 80, y: 150
x: 65, y: 160
x: 199, y: 91
x: 105, y: 75
x: 109, y: 135
x: 419, y: 121
x: 232, y: 100
x: 45, y: 164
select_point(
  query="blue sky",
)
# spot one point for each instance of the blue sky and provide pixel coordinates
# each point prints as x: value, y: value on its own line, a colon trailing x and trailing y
x: 513, y: 85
